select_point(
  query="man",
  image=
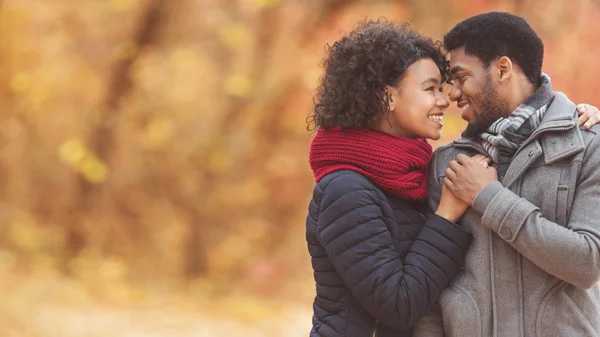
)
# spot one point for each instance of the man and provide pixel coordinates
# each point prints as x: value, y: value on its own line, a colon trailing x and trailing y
x: 534, y: 264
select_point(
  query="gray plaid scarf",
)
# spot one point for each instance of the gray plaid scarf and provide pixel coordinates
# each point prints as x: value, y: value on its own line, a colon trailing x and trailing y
x: 506, y: 135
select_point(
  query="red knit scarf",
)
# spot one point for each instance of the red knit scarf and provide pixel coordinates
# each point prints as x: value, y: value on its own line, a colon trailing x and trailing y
x: 397, y: 165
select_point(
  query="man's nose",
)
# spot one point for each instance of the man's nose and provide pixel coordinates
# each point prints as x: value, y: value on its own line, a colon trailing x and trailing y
x: 455, y: 93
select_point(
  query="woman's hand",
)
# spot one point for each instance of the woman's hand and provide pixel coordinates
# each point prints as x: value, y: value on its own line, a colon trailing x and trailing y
x: 451, y: 208
x: 466, y: 177
x: 484, y: 161
x: 588, y: 114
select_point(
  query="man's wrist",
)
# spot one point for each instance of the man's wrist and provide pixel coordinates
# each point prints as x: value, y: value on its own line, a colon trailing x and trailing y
x: 485, y: 196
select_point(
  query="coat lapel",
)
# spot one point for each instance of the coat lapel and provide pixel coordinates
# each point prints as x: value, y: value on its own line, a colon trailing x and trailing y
x: 521, y: 162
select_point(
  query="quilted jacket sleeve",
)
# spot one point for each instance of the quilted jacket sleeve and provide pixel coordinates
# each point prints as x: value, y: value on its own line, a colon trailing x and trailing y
x: 398, y: 293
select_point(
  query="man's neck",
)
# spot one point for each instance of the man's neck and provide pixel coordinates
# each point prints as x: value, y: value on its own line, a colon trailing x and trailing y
x: 519, y: 94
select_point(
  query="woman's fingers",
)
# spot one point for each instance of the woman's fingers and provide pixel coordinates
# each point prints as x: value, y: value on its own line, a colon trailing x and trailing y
x: 482, y: 160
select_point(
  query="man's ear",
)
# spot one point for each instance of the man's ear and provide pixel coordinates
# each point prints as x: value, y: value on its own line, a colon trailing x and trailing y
x: 504, y: 68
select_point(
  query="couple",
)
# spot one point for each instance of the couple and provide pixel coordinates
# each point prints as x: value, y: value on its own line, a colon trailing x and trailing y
x: 512, y: 245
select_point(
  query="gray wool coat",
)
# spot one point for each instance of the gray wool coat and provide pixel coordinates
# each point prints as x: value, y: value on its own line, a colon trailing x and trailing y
x: 534, y: 264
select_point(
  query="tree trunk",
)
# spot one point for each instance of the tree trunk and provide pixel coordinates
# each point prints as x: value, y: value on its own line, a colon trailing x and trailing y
x: 101, y: 139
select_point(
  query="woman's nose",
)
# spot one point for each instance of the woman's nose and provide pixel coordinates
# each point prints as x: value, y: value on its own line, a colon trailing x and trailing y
x: 442, y: 102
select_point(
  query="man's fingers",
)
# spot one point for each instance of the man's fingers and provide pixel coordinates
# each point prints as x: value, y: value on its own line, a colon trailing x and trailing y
x: 450, y: 174
x: 454, y: 166
x: 462, y: 158
x: 449, y: 184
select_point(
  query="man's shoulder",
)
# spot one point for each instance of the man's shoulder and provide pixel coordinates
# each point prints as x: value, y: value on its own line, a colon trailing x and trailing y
x: 446, y: 153
x: 590, y: 133
x: 444, y: 148
x: 591, y: 136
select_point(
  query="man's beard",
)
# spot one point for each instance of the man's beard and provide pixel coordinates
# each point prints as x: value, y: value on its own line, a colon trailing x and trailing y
x: 492, y: 108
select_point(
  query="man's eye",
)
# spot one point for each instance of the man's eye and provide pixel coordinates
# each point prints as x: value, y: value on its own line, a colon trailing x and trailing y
x: 430, y: 89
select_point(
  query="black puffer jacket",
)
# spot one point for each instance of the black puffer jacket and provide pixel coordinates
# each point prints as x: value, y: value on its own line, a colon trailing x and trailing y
x: 378, y: 263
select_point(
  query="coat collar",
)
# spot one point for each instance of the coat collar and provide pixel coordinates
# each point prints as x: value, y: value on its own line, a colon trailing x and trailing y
x: 557, y: 134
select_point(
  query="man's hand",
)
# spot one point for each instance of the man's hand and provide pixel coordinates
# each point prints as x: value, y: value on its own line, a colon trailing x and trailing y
x: 466, y: 177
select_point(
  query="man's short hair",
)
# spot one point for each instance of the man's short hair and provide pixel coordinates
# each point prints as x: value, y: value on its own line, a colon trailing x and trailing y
x: 490, y: 36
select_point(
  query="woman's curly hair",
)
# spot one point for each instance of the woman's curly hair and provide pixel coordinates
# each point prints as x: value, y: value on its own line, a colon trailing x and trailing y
x: 360, y: 65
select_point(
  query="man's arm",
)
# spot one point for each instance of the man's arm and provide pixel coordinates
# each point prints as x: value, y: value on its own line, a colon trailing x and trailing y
x: 572, y: 254
x: 431, y: 324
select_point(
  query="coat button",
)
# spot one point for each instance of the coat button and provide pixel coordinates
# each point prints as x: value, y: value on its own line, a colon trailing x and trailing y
x: 506, y: 233
x: 531, y: 153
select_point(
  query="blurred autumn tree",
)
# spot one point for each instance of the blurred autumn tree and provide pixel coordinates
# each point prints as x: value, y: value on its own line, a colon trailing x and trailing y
x: 160, y: 140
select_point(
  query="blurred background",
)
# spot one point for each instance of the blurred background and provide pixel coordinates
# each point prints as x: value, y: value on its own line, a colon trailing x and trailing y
x: 153, y: 164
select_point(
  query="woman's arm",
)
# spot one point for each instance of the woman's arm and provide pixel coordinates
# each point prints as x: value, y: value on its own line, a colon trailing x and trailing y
x: 397, y: 292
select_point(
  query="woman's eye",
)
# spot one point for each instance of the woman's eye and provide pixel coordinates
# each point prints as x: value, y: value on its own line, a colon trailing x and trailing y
x: 430, y: 89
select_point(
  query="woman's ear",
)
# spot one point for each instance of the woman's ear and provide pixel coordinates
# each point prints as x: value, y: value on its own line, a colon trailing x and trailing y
x: 389, y: 97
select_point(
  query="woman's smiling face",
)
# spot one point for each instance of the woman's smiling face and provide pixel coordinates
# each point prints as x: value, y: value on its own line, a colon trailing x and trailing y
x: 417, y: 103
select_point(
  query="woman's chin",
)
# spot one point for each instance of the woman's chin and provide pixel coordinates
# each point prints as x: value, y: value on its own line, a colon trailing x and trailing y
x: 434, y: 135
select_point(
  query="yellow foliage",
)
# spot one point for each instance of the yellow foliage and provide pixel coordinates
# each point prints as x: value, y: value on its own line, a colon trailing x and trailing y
x: 86, y: 265
x: 184, y: 59
x: 238, y: 85
x: 38, y: 95
x: 76, y: 154
x: 453, y: 125
x: 112, y: 269
x: 236, y: 247
x: 126, y: 50
x: 77, y: 294
x: 235, y: 35
x: 45, y: 263
x: 20, y: 82
x: 251, y: 190
x: 229, y: 255
x: 158, y: 131
x: 25, y: 237
x: 254, y: 229
x: 117, y: 292
x: 8, y: 261
x: 218, y: 162
x: 122, y: 5
x: 311, y: 77
x: 94, y: 170
x: 72, y: 152
x: 249, y: 309
x: 266, y: 3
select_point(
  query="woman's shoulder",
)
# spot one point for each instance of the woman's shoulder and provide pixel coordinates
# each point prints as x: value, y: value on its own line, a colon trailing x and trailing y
x: 343, y: 182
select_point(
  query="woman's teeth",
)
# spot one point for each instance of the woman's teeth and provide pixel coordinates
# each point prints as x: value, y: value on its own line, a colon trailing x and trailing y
x: 436, y: 118
x: 465, y: 107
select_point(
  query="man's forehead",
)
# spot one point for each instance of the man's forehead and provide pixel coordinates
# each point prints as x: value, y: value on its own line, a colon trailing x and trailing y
x: 459, y: 60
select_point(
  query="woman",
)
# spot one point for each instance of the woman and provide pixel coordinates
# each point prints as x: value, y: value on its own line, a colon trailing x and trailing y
x: 379, y: 263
